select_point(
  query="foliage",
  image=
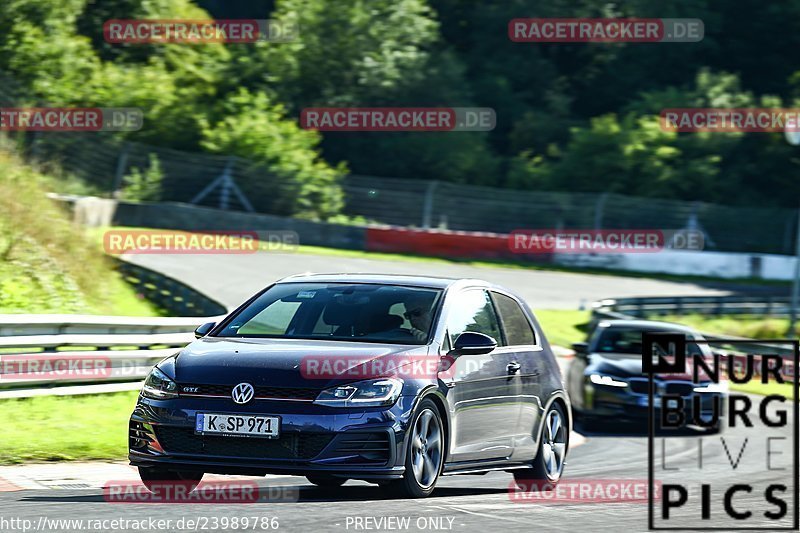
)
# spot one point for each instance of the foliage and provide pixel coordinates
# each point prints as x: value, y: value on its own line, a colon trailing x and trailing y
x: 47, y: 264
x: 257, y: 129
x: 571, y: 117
x: 144, y: 186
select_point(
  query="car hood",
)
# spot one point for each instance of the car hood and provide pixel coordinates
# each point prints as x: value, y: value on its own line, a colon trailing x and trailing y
x: 276, y: 362
x: 624, y: 366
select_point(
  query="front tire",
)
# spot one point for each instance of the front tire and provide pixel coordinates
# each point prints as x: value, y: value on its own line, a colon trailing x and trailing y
x: 547, y: 468
x: 155, y: 478
x: 424, y: 454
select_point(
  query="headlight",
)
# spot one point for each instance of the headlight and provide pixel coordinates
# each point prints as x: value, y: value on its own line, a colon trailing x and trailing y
x: 713, y: 387
x: 159, y: 386
x: 597, y: 379
x: 371, y: 393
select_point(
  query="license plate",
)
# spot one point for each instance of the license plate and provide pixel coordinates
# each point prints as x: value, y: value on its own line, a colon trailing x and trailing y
x: 238, y: 425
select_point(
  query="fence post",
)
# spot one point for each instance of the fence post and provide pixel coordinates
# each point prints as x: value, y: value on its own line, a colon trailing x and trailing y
x: 122, y: 164
x: 599, y: 207
x: 427, y: 207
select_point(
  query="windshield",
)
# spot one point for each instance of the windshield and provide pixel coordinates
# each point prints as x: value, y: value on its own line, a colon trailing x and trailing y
x: 339, y: 311
x: 629, y: 342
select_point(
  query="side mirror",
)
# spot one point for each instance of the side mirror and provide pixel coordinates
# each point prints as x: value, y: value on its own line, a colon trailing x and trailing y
x: 203, y: 330
x: 581, y: 349
x: 473, y: 343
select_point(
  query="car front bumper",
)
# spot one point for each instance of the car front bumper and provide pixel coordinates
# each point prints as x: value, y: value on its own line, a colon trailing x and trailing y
x: 313, y: 439
x: 622, y: 404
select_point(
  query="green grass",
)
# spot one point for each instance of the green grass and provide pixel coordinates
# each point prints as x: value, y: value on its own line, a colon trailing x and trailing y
x: 47, y: 263
x: 65, y: 428
x: 563, y: 327
x: 753, y: 327
x: 756, y: 387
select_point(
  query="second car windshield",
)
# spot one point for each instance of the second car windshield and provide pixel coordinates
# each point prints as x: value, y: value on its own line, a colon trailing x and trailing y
x: 339, y: 311
x: 629, y: 341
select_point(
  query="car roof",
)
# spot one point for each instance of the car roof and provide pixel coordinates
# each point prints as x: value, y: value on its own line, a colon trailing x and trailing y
x: 647, y: 325
x: 385, y: 279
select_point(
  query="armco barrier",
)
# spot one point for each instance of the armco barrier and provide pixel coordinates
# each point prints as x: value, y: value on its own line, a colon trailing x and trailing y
x: 444, y: 243
x: 18, y: 325
x: 128, y: 347
x: 641, y: 307
x: 437, y: 243
x: 187, y: 217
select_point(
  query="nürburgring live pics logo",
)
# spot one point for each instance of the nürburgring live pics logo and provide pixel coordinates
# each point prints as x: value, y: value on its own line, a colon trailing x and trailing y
x: 746, y: 476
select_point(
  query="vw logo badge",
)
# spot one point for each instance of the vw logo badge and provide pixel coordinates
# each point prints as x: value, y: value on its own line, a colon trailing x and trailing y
x: 243, y: 393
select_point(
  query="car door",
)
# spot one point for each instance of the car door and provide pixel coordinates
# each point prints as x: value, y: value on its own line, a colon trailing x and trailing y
x: 484, y: 402
x: 524, y: 364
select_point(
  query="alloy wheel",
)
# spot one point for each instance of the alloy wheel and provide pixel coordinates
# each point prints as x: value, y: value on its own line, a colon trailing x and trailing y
x: 554, y: 444
x: 426, y: 448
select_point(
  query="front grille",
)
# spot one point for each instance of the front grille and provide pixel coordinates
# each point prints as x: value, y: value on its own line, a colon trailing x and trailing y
x: 139, y: 436
x: 370, y: 447
x: 638, y: 386
x: 681, y: 389
x: 286, y: 393
x: 179, y: 440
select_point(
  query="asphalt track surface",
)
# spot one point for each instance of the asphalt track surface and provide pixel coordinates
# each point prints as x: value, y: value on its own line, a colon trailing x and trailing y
x: 231, y: 278
x: 476, y: 503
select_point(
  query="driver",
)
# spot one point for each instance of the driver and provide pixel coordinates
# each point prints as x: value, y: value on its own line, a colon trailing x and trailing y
x: 418, y: 313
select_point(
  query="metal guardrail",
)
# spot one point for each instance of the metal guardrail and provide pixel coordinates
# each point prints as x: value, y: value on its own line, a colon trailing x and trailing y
x: 18, y: 325
x: 643, y: 307
x: 647, y: 307
x: 51, y: 351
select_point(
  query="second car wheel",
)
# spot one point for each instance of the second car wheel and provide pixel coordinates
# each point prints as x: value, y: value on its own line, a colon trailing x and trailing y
x: 424, y: 454
x: 548, y: 465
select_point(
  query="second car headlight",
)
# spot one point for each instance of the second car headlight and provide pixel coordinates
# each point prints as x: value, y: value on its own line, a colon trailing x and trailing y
x: 370, y: 393
x: 159, y: 386
x: 609, y: 381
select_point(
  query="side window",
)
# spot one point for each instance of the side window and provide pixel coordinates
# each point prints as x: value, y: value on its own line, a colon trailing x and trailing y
x: 515, y: 324
x: 474, y: 312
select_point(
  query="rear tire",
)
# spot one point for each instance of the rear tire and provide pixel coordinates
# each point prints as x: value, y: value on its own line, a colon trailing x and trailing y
x: 326, y: 481
x: 548, y: 466
x: 155, y: 478
x: 424, y: 454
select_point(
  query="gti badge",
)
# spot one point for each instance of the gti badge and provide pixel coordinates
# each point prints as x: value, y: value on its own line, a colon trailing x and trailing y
x: 243, y: 393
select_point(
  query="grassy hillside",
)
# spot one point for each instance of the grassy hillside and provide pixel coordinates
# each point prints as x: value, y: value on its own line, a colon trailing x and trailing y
x: 47, y: 264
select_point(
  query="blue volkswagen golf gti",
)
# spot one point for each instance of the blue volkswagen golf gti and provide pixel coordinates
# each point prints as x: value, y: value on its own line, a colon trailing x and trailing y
x: 395, y: 380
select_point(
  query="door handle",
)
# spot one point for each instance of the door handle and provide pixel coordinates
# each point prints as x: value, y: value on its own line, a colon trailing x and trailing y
x: 513, y: 368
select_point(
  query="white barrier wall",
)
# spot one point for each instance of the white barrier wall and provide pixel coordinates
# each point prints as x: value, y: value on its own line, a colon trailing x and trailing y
x: 697, y: 263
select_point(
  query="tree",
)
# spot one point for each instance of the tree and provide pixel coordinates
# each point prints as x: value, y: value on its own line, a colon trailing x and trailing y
x: 255, y: 128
